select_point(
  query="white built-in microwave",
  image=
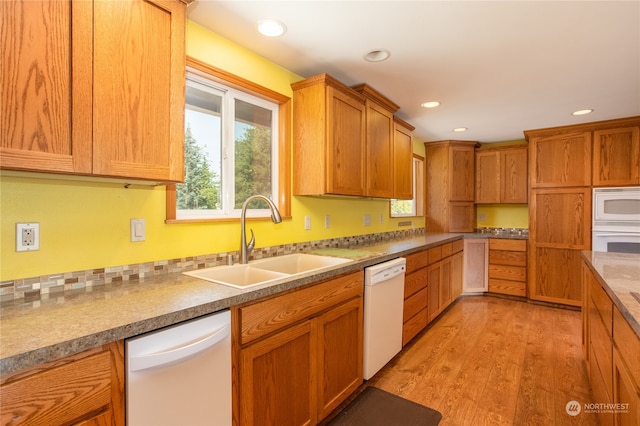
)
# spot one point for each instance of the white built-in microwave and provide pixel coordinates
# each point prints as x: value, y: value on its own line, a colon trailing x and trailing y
x: 616, y: 209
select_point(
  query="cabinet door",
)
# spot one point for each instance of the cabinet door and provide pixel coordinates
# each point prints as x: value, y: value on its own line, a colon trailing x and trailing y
x: 457, y: 266
x: 462, y: 216
x: 139, y: 79
x: 462, y: 173
x: 276, y: 378
x: 513, y: 175
x: 45, y: 113
x: 434, y: 284
x: 402, y: 163
x: 445, y: 282
x: 379, y: 151
x: 487, y: 177
x: 625, y: 391
x: 346, y: 144
x: 560, y: 161
x: 616, y: 157
x: 476, y: 255
x: 339, y: 355
x: 561, y: 218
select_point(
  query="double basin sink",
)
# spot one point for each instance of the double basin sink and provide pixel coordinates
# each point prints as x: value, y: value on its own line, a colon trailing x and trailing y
x: 272, y: 270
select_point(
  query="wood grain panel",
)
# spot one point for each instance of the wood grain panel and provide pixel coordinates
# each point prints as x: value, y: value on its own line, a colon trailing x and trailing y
x: 616, y: 156
x: 414, y: 304
x: 513, y: 175
x: 462, y: 172
x: 402, y: 159
x: 457, y: 245
x: 505, y: 272
x: 628, y: 344
x: 625, y: 391
x: 561, y: 160
x: 417, y: 260
x: 415, y: 281
x: 379, y: 151
x: 487, y: 177
x: 461, y: 216
x: 507, y: 244
x: 435, y: 254
x: 262, y: 318
x: 514, y: 288
x: 415, y: 325
x: 602, y: 303
x: 555, y: 275
x: 561, y: 218
x: 513, y: 258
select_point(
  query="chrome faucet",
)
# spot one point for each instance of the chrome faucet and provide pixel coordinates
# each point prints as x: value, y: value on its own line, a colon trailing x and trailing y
x: 245, y: 249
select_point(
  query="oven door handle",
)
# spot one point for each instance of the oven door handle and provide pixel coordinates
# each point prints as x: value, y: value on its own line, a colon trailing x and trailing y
x: 615, y: 234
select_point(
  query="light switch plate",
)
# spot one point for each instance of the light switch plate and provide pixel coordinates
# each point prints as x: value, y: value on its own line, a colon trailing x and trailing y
x: 138, y: 230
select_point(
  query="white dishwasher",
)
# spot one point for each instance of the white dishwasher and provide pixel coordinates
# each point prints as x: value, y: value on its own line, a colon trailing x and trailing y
x: 181, y: 375
x: 383, y: 306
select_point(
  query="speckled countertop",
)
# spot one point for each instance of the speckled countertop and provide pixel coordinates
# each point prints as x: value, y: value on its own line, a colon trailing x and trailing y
x: 619, y: 274
x: 31, y: 335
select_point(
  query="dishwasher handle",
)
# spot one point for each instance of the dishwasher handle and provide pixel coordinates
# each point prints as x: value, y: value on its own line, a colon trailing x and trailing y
x: 143, y: 362
x: 387, y: 274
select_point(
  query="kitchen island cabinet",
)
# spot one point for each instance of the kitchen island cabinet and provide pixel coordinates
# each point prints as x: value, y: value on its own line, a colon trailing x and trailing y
x: 86, y: 388
x: 299, y: 355
x: 80, y: 97
x: 611, y: 334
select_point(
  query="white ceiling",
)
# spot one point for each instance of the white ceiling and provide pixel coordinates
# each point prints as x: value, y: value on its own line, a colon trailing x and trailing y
x: 497, y: 67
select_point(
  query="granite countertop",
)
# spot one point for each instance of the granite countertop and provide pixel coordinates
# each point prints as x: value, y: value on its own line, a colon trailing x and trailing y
x: 619, y: 274
x: 31, y: 334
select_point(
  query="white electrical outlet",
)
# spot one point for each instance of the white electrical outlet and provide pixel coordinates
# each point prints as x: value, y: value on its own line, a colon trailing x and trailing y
x: 327, y: 221
x: 367, y: 220
x: 138, y: 230
x: 307, y: 222
x: 482, y: 217
x: 381, y: 218
x: 27, y: 236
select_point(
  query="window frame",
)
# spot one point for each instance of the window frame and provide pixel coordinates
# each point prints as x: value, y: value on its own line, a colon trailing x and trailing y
x: 418, y: 190
x: 283, y: 202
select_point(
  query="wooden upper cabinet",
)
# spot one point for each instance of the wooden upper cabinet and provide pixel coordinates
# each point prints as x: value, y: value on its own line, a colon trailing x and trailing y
x: 402, y: 160
x: 379, y: 142
x: 616, y: 156
x: 561, y: 160
x: 45, y: 113
x: 450, y: 186
x: 94, y: 88
x: 501, y: 175
x: 329, y: 133
x: 139, y: 89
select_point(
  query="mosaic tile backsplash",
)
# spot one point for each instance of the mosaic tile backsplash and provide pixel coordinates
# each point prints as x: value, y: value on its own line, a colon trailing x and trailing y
x: 44, y: 287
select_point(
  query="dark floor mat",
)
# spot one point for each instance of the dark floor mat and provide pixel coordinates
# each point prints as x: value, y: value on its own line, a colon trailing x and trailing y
x: 375, y: 407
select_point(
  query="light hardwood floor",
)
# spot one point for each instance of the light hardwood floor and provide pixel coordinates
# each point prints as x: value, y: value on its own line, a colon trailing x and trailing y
x: 495, y: 361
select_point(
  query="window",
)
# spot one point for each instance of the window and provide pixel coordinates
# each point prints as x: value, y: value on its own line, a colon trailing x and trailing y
x: 414, y: 207
x: 234, y: 148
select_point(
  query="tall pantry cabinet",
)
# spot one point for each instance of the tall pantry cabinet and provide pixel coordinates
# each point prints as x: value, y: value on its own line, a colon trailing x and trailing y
x: 93, y: 87
x: 450, y: 186
x: 564, y: 165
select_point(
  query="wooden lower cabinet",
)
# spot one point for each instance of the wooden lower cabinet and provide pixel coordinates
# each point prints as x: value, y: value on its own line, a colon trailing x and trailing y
x: 82, y: 389
x: 508, y: 266
x: 299, y: 355
x: 613, y: 359
x: 433, y: 280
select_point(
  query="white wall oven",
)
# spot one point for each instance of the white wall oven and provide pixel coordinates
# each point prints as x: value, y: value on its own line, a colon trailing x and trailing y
x: 616, y: 219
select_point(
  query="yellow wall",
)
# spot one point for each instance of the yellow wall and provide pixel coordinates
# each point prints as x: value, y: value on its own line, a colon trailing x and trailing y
x: 84, y: 224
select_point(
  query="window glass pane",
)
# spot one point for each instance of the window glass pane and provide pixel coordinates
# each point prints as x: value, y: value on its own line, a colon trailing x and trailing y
x: 201, y: 189
x: 253, y: 153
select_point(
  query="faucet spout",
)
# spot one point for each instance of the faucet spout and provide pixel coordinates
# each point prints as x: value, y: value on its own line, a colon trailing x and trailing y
x: 246, y: 248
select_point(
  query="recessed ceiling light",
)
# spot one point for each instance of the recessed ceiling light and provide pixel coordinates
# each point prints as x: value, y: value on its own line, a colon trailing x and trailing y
x: 460, y: 129
x: 430, y: 104
x: 377, y: 55
x: 582, y: 112
x: 271, y: 28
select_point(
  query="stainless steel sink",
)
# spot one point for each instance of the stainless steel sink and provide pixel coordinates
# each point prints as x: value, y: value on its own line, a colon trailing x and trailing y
x: 270, y: 271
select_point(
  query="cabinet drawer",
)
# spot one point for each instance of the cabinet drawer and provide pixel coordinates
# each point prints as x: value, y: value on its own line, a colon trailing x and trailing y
x: 415, y: 304
x: 415, y: 282
x: 457, y: 246
x: 258, y: 319
x: 435, y: 254
x: 602, y: 303
x: 414, y: 326
x: 628, y: 344
x: 416, y: 261
x: 60, y: 395
x: 514, y: 288
x: 507, y: 244
x: 513, y: 258
x: 503, y: 272
x: 447, y: 249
